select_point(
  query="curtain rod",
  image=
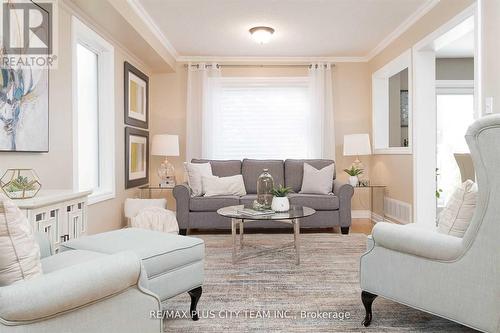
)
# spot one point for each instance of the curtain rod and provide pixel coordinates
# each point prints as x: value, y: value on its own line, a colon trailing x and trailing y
x: 251, y: 66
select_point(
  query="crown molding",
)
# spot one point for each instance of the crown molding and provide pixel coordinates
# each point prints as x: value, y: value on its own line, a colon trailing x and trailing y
x: 148, y: 20
x: 403, y: 27
x: 411, y: 20
x: 267, y: 60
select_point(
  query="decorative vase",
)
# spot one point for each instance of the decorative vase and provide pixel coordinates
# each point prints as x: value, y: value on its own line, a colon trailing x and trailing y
x: 20, y: 183
x: 280, y: 204
x: 353, y: 180
x: 265, y: 186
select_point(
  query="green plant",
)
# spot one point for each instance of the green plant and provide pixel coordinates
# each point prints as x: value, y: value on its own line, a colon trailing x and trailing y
x: 281, y: 191
x: 21, y: 184
x: 438, y: 190
x: 353, y: 171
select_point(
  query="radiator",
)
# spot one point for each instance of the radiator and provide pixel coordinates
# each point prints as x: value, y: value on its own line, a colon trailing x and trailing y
x: 399, y: 211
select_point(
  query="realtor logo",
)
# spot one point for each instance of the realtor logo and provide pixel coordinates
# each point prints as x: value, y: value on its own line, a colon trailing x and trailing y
x: 28, y: 33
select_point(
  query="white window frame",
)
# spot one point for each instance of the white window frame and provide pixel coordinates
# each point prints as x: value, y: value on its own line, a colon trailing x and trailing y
x: 82, y: 34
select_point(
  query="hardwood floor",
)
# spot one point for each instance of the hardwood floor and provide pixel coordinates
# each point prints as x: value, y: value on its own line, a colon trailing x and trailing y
x: 362, y: 226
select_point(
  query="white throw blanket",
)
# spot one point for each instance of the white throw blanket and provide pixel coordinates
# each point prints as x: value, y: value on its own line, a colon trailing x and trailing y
x: 157, y: 219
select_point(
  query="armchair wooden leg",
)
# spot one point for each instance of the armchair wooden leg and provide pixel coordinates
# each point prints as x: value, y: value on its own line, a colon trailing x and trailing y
x: 344, y: 230
x: 195, y: 297
x: 183, y: 232
x: 367, y: 299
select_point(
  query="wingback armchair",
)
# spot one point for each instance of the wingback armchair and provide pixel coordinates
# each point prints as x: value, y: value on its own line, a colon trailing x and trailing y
x: 81, y: 291
x: 455, y: 278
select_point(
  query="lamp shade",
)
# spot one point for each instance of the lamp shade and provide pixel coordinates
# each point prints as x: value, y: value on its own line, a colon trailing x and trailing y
x: 357, y: 145
x: 165, y: 145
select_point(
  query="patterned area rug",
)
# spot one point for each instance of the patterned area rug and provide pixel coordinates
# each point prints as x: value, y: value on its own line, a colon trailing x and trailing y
x: 272, y: 294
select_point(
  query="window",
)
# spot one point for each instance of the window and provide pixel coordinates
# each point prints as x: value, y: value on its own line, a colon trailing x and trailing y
x: 455, y: 113
x: 93, y: 113
x: 260, y: 118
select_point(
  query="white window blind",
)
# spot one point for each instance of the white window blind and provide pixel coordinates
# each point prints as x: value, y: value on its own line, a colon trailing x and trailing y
x: 259, y: 118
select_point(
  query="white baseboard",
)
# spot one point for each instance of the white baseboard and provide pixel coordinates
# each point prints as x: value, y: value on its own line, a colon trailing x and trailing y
x: 366, y: 214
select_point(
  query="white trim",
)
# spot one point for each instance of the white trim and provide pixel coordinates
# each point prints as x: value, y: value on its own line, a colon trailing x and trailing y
x: 455, y: 84
x: 380, y: 105
x: 424, y: 115
x: 150, y: 23
x: 82, y: 34
x: 411, y: 20
x: 267, y: 60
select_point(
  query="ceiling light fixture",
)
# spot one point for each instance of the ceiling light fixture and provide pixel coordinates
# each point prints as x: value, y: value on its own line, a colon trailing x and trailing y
x: 261, y: 34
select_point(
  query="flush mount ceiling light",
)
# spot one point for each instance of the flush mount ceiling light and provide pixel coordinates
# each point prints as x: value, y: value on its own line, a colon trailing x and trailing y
x: 261, y: 34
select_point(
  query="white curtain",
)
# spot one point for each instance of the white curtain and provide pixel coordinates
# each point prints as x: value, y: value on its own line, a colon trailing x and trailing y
x: 321, y: 79
x: 198, y: 102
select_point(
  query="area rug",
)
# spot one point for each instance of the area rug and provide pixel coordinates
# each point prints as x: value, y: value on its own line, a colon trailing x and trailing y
x: 272, y: 294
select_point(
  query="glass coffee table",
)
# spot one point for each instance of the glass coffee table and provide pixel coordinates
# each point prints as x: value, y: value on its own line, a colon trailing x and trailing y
x: 238, y: 218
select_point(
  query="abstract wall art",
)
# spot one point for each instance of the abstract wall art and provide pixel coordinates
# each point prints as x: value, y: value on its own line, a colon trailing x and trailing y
x: 24, y: 109
x: 136, y: 157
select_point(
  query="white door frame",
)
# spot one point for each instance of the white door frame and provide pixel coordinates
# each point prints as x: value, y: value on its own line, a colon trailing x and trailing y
x: 424, y: 109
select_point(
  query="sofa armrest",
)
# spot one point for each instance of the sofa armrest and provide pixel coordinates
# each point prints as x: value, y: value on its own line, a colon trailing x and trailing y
x: 182, y: 195
x: 344, y: 192
x: 69, y: 288
x: 417, y: 241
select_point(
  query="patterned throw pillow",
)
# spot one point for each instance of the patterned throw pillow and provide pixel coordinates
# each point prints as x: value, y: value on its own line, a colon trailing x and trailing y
x: 19, y: 251
x: 456, y: 216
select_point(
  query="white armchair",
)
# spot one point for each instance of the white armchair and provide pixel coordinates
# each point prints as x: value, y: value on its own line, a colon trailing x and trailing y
x: 454, y: 278
x: 81, y: 291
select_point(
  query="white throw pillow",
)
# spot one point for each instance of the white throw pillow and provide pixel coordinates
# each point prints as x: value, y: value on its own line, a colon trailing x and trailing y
x: 19, y: 251
x: 232, y: 185
x: 317, y: 181
x: 195, y: 172
x: 456, y: 216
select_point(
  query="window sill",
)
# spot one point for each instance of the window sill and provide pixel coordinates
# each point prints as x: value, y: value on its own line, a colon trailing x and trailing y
x: 100, y: 196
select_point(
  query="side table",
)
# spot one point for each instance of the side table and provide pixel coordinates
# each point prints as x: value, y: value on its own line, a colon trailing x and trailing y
x: 376, y: 201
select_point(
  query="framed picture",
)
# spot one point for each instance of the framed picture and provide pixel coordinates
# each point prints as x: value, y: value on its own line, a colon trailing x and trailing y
x: 136, y: 157
x: 136, y: 97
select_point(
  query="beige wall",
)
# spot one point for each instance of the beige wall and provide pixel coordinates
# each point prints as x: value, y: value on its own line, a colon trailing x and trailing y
x: 491, y: 51
x: 55, y: 168
x: 455, y: 69
x: 351, y: 86
x: 396, y: 171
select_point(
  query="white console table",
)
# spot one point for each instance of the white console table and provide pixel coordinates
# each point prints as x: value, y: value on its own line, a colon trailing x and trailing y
x: 61, y: 214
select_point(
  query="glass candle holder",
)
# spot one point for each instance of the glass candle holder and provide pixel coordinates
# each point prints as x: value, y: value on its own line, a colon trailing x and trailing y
x: 265, y: 186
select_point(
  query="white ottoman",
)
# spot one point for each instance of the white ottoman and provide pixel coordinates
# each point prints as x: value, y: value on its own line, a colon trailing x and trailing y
x: 174, y: 264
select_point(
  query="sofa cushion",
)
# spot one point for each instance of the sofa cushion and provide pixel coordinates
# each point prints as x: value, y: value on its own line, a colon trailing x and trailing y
x: 248, y: 199
x: 19, y: 252
x: 68, y: 258
x: 211, y: 204
x: 294, y: 171
x: 315, y: 201
x: 222, y: 168
x: 159, y: 252
x: 251, y: 170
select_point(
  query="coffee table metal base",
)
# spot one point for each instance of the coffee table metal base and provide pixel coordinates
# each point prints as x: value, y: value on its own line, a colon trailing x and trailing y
x: 239, y: 223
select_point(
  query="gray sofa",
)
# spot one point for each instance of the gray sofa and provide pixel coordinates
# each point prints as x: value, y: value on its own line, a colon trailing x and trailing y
x: 201, y: 212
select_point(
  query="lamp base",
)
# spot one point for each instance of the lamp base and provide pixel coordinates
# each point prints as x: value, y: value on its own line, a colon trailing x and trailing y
x: 166, y: 172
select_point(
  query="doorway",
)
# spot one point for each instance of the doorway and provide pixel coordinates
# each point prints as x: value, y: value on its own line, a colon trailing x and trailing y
x: 447, y: 100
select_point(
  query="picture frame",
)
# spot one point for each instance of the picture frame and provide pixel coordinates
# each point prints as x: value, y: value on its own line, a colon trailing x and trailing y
x: 136, y: 157
x: 136, y: 97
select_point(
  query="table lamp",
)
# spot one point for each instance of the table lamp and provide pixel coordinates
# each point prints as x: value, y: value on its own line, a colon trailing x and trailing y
x: 166, y: 145
x: 357, y: 145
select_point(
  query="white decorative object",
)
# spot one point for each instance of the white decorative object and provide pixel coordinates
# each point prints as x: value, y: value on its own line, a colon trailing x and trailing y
x: 166, y: 145
x: 19, y: 252
x: 353, y: 180
x: 455, y: 218
x: 61, y: 214
x: 157, y: 219
x: 195, y: 171
x: 280, y: 204
x: 232, y: 185
x: 357, y: 145
x: 261, y: 34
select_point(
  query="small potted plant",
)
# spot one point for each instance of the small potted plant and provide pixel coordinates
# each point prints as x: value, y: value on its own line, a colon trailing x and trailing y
x: 280, y: 201
x: 353, y: 173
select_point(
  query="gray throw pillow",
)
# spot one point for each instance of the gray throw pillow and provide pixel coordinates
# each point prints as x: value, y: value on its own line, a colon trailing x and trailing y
x: 317, y: 181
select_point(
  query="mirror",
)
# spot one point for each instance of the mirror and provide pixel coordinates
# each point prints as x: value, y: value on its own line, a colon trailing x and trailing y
x: 398, y: 109
x: 391, y: 96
